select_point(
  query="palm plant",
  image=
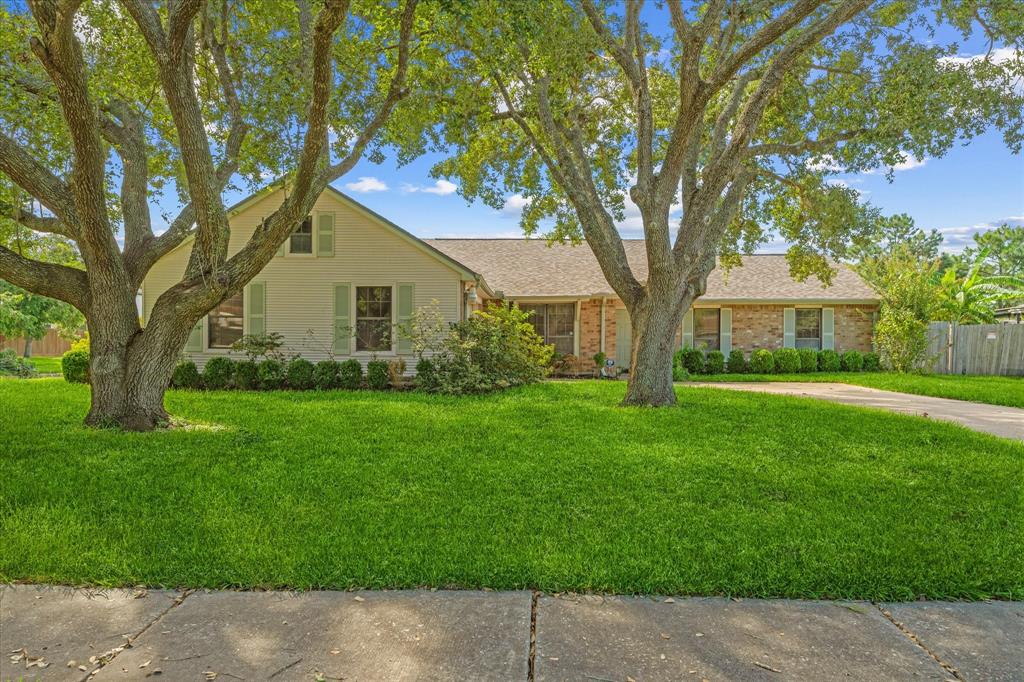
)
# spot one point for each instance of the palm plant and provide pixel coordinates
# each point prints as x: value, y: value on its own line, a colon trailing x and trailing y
x: 973, y: 298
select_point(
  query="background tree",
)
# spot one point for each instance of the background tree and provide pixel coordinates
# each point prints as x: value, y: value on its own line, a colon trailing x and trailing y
x: 105, y: 106
x: 732, y: 118
x: 973, y: 297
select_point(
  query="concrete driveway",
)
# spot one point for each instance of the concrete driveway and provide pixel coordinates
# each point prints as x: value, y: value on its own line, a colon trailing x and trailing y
x: 1007, y: 422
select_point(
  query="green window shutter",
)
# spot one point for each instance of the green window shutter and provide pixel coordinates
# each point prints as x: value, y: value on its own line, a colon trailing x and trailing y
x: 828, y: 329
x: 725, y: 333
x: 789, y: 328
x: 195, y: 337
x: 406, y: 296
x: 688, y: 329
x: 255, y: 300
x: 342, y: 319
x: 324, y: 243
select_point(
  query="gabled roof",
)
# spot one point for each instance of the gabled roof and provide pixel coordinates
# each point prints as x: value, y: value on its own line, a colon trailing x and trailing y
x: 530, y: 268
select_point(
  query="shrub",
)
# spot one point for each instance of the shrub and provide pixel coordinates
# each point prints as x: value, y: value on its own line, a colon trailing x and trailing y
x: 256, y: 346
x: 396, y: 372
x: 299, y: 374
x: 787, y: 361
x: 325, y: 375
x: 715, y: 362
x: 425, y: 377
x: 737, y: 362
x: 762, y: 361
x: 495, y: 348
x: 693, y: 360
x: 74, y: 365
x: 808, y: 360
x: 377, y: 374
x: 81, y: 343
x: 218, y: 373
x: 828, y: 361
x: 679, y: 372
x: 853, y: 361
x: 350, y: 374
x: 902, y: 340
x: 186, y: 375
x: 13, y: 366
x: 247, y: 376
x: 872, y: 363
x: 272, y: 374
x: 599, y: 359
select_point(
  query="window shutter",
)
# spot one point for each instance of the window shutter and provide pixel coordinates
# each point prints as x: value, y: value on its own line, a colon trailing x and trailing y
x: 789, y: 328
x: 324, y: 235
x: 725, y: 333
x: 406, y: 296
x: 688, y: 329
x: 342, y: 319
x: 255, y: 301
x: 828, y: 329
x: 195, y: 337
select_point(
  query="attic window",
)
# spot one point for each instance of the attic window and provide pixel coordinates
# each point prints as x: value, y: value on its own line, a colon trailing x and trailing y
x: 301, y: 240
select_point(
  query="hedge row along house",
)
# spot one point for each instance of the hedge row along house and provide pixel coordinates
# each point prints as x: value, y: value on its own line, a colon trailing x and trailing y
x: 348, y: 277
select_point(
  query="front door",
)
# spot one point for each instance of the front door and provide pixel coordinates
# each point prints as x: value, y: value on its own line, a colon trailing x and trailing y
x: 623, y: 339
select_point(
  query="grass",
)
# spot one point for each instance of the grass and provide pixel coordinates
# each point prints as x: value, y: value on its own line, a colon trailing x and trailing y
x: 549, y: 486
x: 46, y: 365
x: 994, y: 390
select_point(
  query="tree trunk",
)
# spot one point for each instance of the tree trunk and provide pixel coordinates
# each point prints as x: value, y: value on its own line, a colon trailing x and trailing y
x: 28, y: 347
x: 129, y: 370
x: 654, y: 323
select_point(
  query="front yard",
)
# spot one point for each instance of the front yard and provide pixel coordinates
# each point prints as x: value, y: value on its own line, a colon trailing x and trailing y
x: 549, y: 486
x: 994, y: 390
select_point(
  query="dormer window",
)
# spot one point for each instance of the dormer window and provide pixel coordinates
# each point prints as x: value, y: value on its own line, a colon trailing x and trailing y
x: 301, y: 240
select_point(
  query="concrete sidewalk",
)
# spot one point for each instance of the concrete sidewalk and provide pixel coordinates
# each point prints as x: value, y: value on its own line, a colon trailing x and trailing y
x: 50, y: 633
x: 1007, y: 422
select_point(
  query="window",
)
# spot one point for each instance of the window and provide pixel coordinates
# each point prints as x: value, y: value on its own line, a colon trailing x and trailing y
x: 555, y: 323
x: 808, y: 328
x: 706, y: 326
x: 226, y: 322
x: 373, y: 318
x: 301, y: 240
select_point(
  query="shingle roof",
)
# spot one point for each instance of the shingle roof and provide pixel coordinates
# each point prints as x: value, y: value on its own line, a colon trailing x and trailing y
x: 523, y: 268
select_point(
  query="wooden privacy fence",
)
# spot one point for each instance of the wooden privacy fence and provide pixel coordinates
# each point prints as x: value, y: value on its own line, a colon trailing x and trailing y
x: 976, y: 348
x: 50, y: 345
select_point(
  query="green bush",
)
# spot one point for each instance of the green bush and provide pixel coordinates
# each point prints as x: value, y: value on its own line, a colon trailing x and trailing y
x: 495, y: 348
x: 247, y: 376
x: 425, y: 376
x: 853, y: 361
x: 300, y: 374
x: 350, y: 375
x: 808, y: 360
x: 762, y: 361
x: 272, y: 374
x: 787, y: 361
x: 828, y: 361
x: 377, y: 375
x: 325, y: 375
x: 872, y: 362
x: 715, y: 362
x: 13, y: 366
x: 679, y: 372
x: 693, y: 360
x: 74, y: 365
x: 737, y: 362
x: 218, y: 373
x: 186, y: 375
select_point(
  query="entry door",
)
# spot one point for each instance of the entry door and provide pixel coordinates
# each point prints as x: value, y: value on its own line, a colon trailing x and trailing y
x: 623, y: 338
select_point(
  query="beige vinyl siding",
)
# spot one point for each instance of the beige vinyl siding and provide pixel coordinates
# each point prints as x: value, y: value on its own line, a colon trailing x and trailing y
x: 300, y: 289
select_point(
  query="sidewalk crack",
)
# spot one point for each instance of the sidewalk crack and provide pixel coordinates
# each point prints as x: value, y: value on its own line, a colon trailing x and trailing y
x: 948, y: 667
x: 130, y: 640
x: 532, y: 661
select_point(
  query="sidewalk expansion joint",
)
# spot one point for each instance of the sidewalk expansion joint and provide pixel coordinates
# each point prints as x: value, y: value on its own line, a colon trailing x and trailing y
x: 948, y: 667
x: 532, y: 662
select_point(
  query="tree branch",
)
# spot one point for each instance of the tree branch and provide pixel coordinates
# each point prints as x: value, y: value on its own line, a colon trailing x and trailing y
x: 47, y: 279
x: 36, y: 179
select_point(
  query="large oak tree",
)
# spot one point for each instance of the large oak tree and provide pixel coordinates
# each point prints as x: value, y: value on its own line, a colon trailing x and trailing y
x: 722, y: 128
x: 106, y: 108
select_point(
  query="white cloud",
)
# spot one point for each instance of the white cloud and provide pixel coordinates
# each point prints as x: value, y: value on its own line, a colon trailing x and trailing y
x: 996, y: 56
x: 515, y: 204
x: 956, y: 238
x: 908, y: 163
x: 441, y: 188
x: 367, y: 184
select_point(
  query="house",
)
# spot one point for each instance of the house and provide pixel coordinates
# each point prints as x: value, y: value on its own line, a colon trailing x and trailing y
x: 347, y: 276
x: 1010, y: 315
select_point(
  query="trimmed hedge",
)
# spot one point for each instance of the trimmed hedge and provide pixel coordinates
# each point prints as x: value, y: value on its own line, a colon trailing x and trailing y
x: 762, y: 361
x: 808, y: 360
x: 247, y: 376
x: 787, y: 360
x: 325, y: 375
x: 714, y: 362
x: 828, y: 361
x: 872, y: 362
x: 186, y: 376
x: 218, y: 373
x: 737, y: 362
x: 351, y: 374
x: 377, y: 375
x: 272, y: 374
x: 74, y: 365
x: 853, y: 361
x: 300, y: 374
x: 692, y: 359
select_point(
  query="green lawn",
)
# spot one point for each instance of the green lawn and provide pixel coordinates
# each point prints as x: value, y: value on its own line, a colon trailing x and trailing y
x: 549, y: 486
x: 1007, y: 391
x: 46, y: 365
